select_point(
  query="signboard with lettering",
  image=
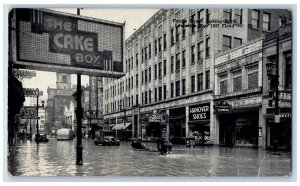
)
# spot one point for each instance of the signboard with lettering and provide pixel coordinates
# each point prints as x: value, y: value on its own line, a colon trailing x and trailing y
x: 199, y: 112
x: 159, y: 118
x: 24, y: 73
x: 54, y: 41
x: 222, y: 106
x: 27, y: 112
x: 32, y: 92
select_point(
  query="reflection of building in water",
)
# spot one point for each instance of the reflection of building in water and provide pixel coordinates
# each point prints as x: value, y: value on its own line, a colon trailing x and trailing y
x: 60, y: 98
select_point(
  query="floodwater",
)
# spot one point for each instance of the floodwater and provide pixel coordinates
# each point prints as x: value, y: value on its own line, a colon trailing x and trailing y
x: 57, y: 158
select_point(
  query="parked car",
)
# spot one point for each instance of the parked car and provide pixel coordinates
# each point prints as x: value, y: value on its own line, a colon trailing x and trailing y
x: 65, y: 134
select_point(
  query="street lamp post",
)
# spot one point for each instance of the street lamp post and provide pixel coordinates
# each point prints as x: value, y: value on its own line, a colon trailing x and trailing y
x: 274, y: 87
x: 274, y: 79
x: 79, y: 115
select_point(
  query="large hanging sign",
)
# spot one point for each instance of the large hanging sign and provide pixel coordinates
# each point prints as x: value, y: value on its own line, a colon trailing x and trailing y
x: 59, y: 42
x: 199, y: 112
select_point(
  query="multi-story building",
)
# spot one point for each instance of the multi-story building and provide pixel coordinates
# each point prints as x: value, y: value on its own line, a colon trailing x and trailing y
x: 170, y: 69
x: 277, y: 48
x: 238, y: 95
x: 59, y: 98
x: 31, y: 123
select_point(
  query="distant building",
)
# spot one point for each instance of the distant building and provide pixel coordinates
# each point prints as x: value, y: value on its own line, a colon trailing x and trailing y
x: 59, y: 98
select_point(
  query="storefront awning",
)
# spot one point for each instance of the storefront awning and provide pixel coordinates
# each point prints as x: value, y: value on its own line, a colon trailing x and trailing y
x: 120, y: 126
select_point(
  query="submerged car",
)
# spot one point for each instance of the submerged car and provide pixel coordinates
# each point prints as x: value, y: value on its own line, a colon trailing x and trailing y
x: 107, y: 141
x: 41, y: 138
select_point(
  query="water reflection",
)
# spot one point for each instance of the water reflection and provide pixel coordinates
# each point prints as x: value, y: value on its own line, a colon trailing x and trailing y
x: 59, y: 157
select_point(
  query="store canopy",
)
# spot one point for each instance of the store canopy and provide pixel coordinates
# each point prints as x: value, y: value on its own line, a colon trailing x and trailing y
x: 121, y: 126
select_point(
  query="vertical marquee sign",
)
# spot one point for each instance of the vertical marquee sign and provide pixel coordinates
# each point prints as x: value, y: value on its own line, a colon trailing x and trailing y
x: 52, y: 41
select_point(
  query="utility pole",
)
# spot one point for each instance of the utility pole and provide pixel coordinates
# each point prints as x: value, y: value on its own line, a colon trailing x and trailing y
x: 79, y: 114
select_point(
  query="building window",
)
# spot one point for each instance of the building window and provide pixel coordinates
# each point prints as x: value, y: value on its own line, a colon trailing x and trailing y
x: 237, y: 80
x: 183, y: 59
x: 165, y: 91
x: 146, y: 97
x: 200, y: 18
x: 200, y: 52
x: 165, y: 67
x: 172, y: 37
x: 149, y: 51
x: 207, y: 76
x: 183, y: 30
x: 266, y: 22
x: 160, y: 70
x: 193, y: 84
x: 282, y: 21
x: 207, y: 48
x: 146, y: 76
x: 237, y: 42
x: 137, y: 59
x: 207, y: 16
x: 255, y: 19
x: 226, y: 43
x: 146, y: 49
x: 136, y: 99
x: 155, y: 94
x: 223, y: 86
x: 160, y: 93
x: 227, y: 14
x: 172, y: 90
x: 131, y: 100
x: 155, y: 47
x: 177, y: 88
x: 142, y: 57
x: 238, y: 15
x: 137, y: 80
x: 155, y: 71
x: 288, y: 69
x: 142, y: 77
x: 64, y: 78
x: 177, y: 62
x: 193, y: 24
x: 252, y: 76
x: 172, y: 64
x: 142, y: 98
x: 165, y: 41
x: 200, y: 82
x: 183, y: 87
x: 177, y: 33
x: 159, y: 44
x: 149, y: 74
x: 149, y: 96
x: 193, y: 54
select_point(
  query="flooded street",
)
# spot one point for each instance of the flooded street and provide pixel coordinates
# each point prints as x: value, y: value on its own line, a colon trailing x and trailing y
x: 57, y: 158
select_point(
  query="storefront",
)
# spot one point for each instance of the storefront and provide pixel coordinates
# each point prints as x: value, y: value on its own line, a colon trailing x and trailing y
x: 123, y: 128
x: 199, y: 123
x: 153, y: 125
x: 238, y: 122
x: 177, y: 126
x: 279, y: 133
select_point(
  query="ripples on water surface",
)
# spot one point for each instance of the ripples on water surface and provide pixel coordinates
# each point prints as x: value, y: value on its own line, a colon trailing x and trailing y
x: 57, y: 158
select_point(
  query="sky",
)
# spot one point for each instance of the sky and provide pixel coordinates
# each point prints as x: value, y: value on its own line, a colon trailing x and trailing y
x: 133, y: 18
